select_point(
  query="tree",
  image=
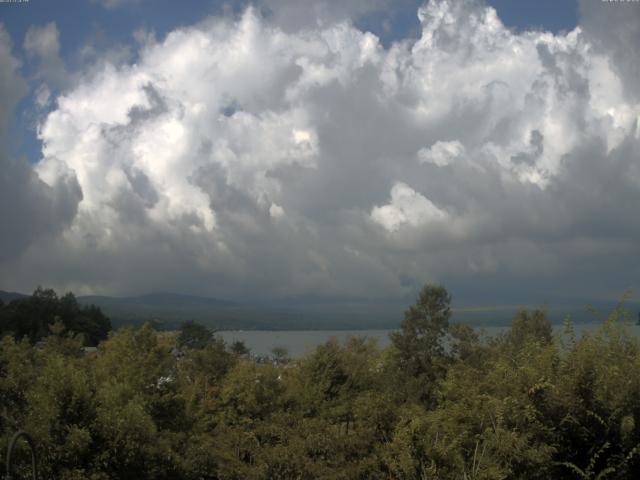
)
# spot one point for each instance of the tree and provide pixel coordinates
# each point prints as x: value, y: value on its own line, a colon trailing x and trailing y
x: 280, y: 354
x: 239, y: 348
x: 530, y: 326
x: 31, y: 316
x: 193, y: 335
x: 419, y: 348
x: 200, y: 374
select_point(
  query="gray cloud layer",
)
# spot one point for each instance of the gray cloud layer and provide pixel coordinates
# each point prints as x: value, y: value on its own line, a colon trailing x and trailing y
x: 237, y: 158
x: 29, y: 208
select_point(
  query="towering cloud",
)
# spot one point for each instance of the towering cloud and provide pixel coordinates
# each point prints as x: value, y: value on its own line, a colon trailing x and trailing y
x: 237, y: 158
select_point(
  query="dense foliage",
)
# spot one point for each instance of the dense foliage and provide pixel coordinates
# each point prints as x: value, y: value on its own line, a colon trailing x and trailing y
x: 32, y: 317
x: 440, y: 402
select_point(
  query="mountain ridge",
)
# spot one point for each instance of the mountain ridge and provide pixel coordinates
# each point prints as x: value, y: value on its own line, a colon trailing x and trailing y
x: 312, y: 312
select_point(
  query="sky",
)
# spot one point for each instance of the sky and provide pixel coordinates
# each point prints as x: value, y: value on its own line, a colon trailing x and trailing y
x: 291, y: 148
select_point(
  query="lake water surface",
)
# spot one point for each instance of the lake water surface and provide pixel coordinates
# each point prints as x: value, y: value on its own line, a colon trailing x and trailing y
x: 299, y: 342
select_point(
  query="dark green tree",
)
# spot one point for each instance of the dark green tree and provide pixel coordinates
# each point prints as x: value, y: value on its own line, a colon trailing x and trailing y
x: 30, y: 317
x: 420, y: 355
x: 193, y: 335
x: 239, y: 348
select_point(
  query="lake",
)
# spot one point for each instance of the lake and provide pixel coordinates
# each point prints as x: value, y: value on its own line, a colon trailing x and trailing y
x: 299, y: 342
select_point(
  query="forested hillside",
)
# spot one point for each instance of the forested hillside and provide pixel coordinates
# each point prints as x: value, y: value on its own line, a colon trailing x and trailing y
x: 33, y: 317
x: 440, y: 402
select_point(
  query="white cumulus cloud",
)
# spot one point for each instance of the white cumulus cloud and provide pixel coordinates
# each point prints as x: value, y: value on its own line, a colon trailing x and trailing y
x: 406, y: 207
x: 441, y: 153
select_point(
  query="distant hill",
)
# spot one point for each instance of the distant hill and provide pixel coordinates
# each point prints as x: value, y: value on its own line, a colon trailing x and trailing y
x: 160, y: 299
x: 168, y: 308
x: 8, y: 296
x: 315, y: 313
x: 289, y: 314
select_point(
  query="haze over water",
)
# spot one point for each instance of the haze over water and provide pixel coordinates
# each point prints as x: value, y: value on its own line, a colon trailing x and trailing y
x: 261, y: 342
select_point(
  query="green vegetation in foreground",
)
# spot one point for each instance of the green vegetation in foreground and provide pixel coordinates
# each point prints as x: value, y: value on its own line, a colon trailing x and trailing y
x: 151, y: 405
